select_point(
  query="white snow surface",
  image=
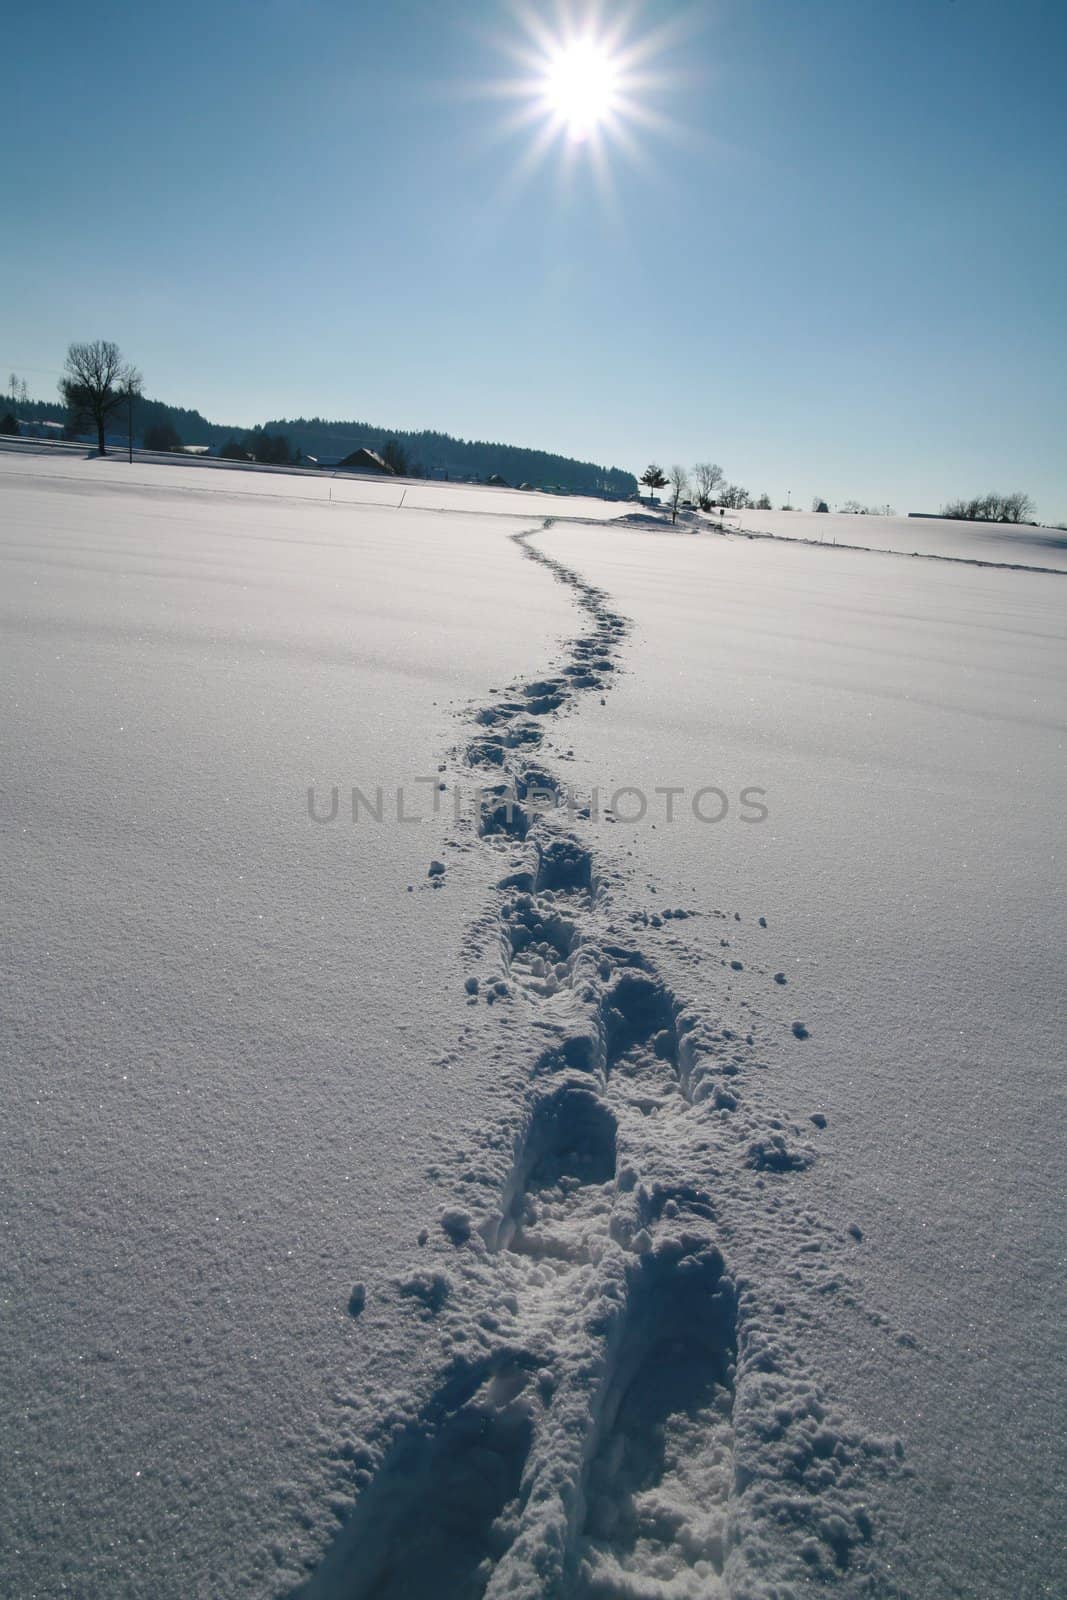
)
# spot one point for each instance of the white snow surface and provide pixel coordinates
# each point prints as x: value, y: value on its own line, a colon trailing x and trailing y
x: 207, y: 475
x: 221, y: 1020
x: 905, y: 722
x: 1000, y: 544
x: 464, y: 1207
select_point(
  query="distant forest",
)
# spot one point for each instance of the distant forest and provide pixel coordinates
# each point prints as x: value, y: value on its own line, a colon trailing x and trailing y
x: 440, y: 452
x: 190, y: 425
x: 432, y: 453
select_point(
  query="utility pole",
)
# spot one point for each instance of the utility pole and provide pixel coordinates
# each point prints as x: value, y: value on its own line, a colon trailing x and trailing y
x: 129, y: 417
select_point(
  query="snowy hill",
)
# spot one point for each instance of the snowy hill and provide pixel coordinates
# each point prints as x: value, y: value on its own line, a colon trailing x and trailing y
x: 932, y: 536
x: 529, y: 1046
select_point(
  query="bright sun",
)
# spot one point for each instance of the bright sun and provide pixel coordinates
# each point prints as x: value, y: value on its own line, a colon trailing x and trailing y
x: 581, y: 86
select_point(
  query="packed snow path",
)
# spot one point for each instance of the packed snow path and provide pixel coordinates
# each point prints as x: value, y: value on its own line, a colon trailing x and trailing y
x: 616, y: 1417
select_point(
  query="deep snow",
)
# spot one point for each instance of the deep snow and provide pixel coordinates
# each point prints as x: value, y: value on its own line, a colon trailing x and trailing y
x: 906, y: 720
x: 220, y: 1019
x: 206, y: 475
x: 476, y: 1184
x: 987, y: 542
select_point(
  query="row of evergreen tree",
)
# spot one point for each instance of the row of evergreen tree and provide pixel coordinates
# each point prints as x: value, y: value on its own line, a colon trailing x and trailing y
x: 436, y: 453
x: 417, y: 452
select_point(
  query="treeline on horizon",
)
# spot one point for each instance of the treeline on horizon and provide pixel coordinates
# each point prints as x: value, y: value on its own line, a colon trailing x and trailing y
x: 434, y: 452
x: 441, y: 452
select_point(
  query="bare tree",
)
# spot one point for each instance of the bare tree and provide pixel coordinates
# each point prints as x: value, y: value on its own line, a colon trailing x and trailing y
x: 733, y: 497
x: 707, y: 477
x: 96, y: 381
x: 653, y: 478
x: 764, y: 502
x: 1017, y: 507
x: 679, y: 488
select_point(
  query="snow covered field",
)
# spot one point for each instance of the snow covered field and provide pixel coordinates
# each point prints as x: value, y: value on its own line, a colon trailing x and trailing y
x: 906, y: 720
x: 925, y: 536
x: 522, y: 1201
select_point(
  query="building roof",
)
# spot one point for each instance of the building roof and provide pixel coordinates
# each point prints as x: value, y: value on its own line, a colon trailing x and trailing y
x: 365, y: 460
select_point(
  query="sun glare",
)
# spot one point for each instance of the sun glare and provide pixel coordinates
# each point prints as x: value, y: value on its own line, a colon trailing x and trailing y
x: 581, y: 86
x: 587, y: 81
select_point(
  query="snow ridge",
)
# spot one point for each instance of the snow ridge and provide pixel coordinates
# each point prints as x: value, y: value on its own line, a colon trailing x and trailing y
x: 621, y: 1414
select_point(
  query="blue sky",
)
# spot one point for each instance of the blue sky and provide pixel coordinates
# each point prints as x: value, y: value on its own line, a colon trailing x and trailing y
x: 833, y: 261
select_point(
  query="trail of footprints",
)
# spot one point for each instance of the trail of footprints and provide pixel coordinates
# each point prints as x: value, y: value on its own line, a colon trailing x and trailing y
x: 589, y: 1452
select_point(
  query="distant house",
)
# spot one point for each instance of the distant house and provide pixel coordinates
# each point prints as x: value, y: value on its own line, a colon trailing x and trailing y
x: 497, y: 481
x: 365, y: 460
